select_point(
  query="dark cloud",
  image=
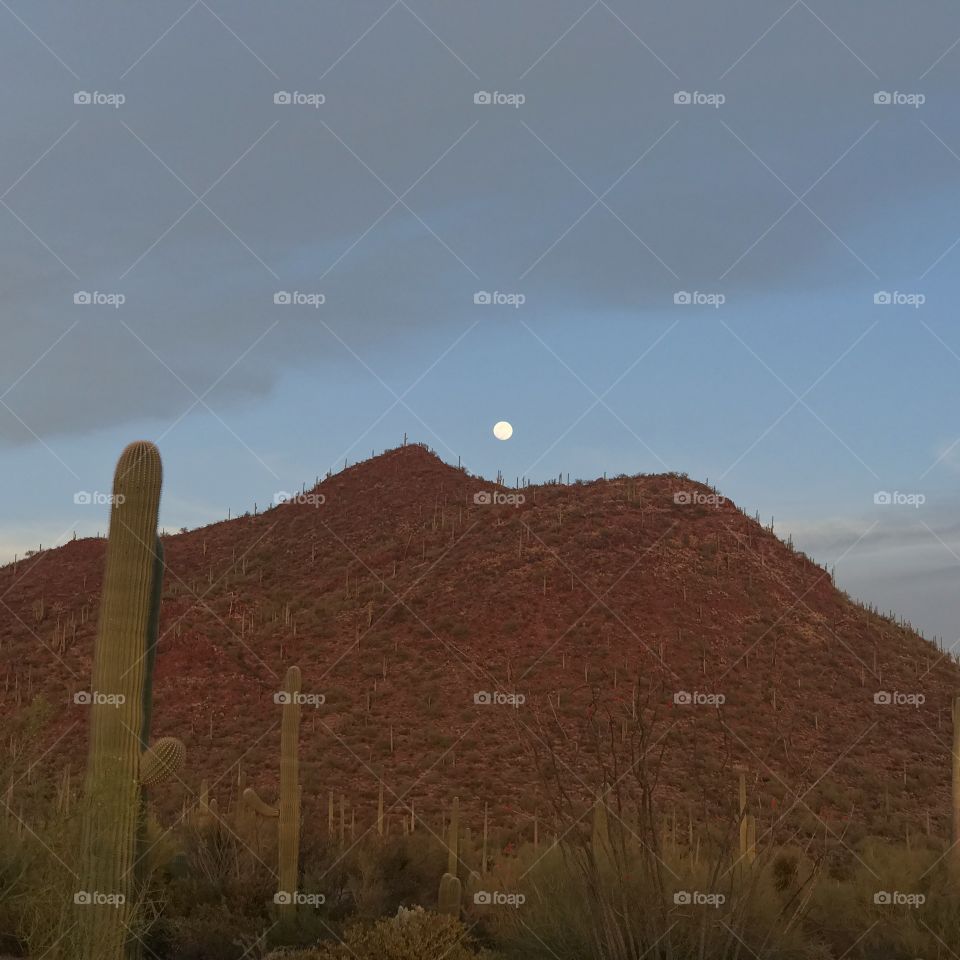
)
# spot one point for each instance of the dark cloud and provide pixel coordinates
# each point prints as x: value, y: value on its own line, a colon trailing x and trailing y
x: 199, y: 198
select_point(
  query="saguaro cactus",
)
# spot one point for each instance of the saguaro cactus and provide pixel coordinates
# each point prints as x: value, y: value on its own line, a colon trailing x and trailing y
x: 287, y: 810
x: 955, y: 796
x: 748, y: 825
x: 451, y: 889
x: 120, y: 764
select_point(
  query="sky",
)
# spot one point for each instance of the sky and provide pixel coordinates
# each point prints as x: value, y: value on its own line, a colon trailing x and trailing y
x: 711, y: 238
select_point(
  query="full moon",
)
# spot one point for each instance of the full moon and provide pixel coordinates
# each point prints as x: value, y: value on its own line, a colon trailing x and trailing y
x: 502, y: 430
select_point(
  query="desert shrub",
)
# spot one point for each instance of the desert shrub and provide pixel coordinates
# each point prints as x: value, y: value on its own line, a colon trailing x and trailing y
x: 606, y: 907
x: 411, y: 935
x: 384, y: 877
x: 897, y: 903
x: 39, y: 875
x: 210, y: 931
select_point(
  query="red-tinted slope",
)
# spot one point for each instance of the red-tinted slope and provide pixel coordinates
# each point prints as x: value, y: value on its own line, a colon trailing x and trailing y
x: 401, y: 598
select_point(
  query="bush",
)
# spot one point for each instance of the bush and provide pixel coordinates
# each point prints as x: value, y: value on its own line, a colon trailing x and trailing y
x: 411, y: 935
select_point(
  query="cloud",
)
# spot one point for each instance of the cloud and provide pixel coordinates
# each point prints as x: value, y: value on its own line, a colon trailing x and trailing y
x: 199, y: 198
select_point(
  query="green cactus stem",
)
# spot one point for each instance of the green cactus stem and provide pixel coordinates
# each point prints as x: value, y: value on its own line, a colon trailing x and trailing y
x: 451, y: 892
x: 454, y: 838
x: 120, y: 763
x: 287, y: 811
x: 451, y: 889
x: 748, y: 825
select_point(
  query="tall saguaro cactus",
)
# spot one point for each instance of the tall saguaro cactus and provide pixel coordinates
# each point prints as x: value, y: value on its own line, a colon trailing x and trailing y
x: 451, y: 889
x: 287, y: 810
x: 748, y: 825
x: 955, y: 780
x: 120, y: 764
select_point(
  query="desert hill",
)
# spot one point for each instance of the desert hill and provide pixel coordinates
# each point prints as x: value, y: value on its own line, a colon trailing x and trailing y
x: 407, y: 590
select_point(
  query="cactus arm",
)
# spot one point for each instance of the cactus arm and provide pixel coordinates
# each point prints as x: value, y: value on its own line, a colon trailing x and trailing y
x: 160, y: 763
x: 253, y: 801
x: 451, y: 891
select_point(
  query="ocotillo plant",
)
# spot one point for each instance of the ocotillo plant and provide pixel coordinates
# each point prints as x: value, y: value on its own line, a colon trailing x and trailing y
x: 120, y: 764
x: 287, y: 810
x: 451, y: 889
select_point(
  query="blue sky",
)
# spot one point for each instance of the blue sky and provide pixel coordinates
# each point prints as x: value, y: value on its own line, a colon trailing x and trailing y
x: 598, y: 200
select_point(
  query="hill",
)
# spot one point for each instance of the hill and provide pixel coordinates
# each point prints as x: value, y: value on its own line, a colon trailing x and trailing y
x: 460, y: 633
